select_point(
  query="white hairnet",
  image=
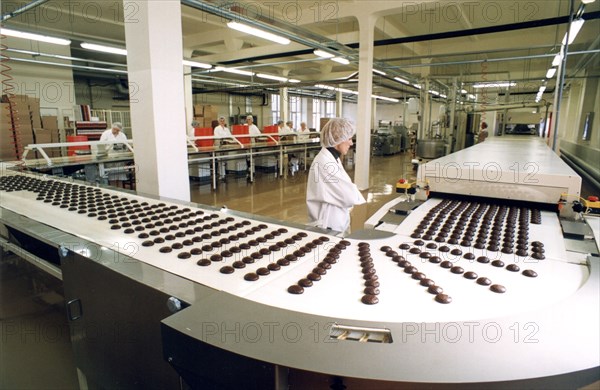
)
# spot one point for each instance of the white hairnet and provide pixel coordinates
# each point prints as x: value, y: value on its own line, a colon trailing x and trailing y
x: 336, y: 131
x: 117, y: 125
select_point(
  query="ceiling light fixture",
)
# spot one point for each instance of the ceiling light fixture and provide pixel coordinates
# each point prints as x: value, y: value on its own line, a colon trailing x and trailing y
x: 340, y: 60
x: 587, y: 1
x: 258, y: 33
x: 550, y: 73
x: 195, y: 64
x: 323, y: 53
x: 403, y: 81
x: 575, y: 28
x: 379, y: 72
x: 104, y: 49
x: 271, y: 77
x: 464, y: 91
x: 233, y: 70
x: 417, y: 86
x: 500, y: 84
x: 294, y: 81
x: 34, y: 37
x: 556, y: 60
x: 385, y: 98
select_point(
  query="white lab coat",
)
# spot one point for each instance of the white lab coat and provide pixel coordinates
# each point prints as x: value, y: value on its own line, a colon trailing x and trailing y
x: 119, y: 174
x: 330, y: 193
x: 222, y: 132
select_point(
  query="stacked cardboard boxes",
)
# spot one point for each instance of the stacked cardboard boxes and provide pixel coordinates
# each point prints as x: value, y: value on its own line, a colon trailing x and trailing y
x: 48, y: 134
x: 205, y: 114
x: 8, y: 151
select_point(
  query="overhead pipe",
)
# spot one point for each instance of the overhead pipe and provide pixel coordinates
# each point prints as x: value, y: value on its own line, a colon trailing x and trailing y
x: 23, y: 9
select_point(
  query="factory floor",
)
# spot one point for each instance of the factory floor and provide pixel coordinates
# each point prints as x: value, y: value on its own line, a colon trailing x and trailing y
x: 35, y: 347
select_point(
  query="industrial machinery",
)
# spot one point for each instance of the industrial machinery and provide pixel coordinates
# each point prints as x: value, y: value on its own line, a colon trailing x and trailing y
x: 476, y: 276
x: 388, y: 139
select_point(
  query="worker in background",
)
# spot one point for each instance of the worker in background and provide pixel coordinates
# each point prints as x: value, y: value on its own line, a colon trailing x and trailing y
x: 252, y: 128
x: 193, y: 126
x: 117, y: 172
x: 303, y: 132
x: 290, y: 126
x: 483, y: 133
x: 223, y: 136
x: 330, y: 193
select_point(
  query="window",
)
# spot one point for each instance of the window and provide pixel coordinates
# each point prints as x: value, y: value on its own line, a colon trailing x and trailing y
x: 587, y: 127
x: 296, y: 111
x: 275, y: 107
x: 330, y: 109
x: 316, y: 112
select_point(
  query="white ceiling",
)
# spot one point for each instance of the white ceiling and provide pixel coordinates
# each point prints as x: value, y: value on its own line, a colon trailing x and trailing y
x: 521, y: 55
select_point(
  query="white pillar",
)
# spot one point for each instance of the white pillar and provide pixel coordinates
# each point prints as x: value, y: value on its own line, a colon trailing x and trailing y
x: 338, y: 104
x: 155, y: 70
x: 284, y: 108
x: 365, y: 90
x: 188, y: 95
x: 373, y: 113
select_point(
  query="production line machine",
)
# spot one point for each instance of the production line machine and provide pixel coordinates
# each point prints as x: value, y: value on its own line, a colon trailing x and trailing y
x: 476, y: 285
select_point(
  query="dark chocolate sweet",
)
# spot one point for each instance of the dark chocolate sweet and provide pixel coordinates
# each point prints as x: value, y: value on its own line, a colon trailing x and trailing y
x: 433, y: 289
x: 426, y: 282
x: 204, y: 262
x: 371, y: 283
x: 483, y: 259
x: 513, y: 268
x: 418, y: 276
x: 184, y: 255
x: 238, y: 264
x: 498, y: 288
x: 263, y: 271
x: 498, y: 263
x: 410, y: 269
x: 443, y: 298
x: 446, y: 264
x: 251, y: 277
x: 469, y: 256
x: 295, y: 289
x: 530, y: 273
x: 415, y: 251
x: 470, y: 275
x: 274, y: 267
x: 457, y: 270
x: 371, y: 291
x: 456, y: 252
x: 369, y: 299
x: 435, y: 259
x: 305, y: 282
x: 165, y: 249
x: 404, y: 246
x: 216, y: 258
x: 484, y: 281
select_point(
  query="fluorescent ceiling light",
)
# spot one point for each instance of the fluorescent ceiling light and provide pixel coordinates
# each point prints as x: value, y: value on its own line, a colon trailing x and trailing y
x: 575, y: 27
x: 385, y: 98
x: 195, y: 64
x: 550, y: 73
x: 542, y: 88
x: 587, y: 1
x: 322, y: 86
x: 344, y: 90
x: 443, y: 96
x: 400, y: 79
x: 436, y: 93
x: 470, y: 96
x: 322, y: 53
x: 340, y: 60
x: 233, y: 70
x: 271, y: 77
x: 257, y: 32
x: 104, y: 49
x: 464, y: 91
x: 379, y: 72
x: 417, y: 86
x: 556, y: 60
x: 499, y: 84
x: 294, y: 81
x: 34, y: 37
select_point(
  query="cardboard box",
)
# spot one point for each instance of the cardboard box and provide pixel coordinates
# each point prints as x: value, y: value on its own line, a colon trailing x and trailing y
x: 50, y: 122
x: 42, y: 136
x: 323, y: 122
x: 198, y: 110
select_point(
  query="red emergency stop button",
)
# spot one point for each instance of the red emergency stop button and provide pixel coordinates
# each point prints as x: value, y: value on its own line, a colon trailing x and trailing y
x: 401, y: 181
x: 592, y: 198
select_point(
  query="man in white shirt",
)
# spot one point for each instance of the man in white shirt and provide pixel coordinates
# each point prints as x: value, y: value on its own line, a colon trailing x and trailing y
x: 117, y: 176
x: 222, y: 132
x: 252, y: 128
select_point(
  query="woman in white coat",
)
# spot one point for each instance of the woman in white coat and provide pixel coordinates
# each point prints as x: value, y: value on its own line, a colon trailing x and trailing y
x: 330, y: 193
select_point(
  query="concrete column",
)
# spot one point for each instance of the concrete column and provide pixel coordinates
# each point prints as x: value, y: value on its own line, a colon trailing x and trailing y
x: 155, y: 71
x: 338, y: 104
x: 284, y: 109
x: 188, y: 96
x: 365, y: 90
x: 309, y: 113
x: 373, y: 113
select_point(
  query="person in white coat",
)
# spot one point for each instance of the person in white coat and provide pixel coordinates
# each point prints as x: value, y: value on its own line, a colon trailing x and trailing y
x: 252, y: 128
x: 223, y: 137
x: 115, y: 133
x: 330, y: 193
